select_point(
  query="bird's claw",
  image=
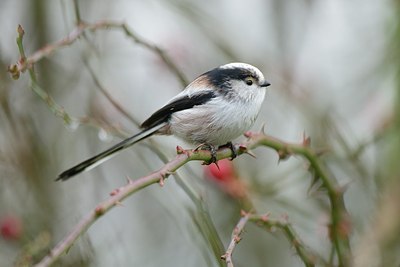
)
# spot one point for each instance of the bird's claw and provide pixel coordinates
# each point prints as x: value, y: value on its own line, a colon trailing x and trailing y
x: 232, y: 148
x: 213, y: 152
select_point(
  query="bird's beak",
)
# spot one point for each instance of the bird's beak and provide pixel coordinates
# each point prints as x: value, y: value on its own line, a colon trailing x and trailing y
x: 265, y: 84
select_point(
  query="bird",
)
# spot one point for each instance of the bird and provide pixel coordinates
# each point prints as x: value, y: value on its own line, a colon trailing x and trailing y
x: 215, y: 108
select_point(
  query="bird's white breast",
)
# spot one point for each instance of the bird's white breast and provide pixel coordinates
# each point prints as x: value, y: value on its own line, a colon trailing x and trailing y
x: 220, y: 120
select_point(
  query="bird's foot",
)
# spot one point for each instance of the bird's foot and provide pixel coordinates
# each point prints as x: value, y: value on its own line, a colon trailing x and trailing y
x: 232, y: 148
x: 212, y: 150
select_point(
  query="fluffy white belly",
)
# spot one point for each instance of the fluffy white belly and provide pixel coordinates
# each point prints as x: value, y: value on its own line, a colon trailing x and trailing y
x: 214, y: 122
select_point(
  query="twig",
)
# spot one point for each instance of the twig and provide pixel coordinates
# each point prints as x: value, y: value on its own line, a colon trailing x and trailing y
x: 340, y: 221
x: 184, y: 156
x: 339, y: 228
x: 237, y: 231
x: 118, y: 195
x: 28, y: 62
x: 264, y: 221
x: 217, y: 245
x: 56, y: 109
x: 202, y: 217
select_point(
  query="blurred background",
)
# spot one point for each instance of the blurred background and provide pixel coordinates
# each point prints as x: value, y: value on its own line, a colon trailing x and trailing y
x: 334, y: 68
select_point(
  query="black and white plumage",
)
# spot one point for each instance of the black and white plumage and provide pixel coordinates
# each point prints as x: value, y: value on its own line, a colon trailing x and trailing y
x: 214, y: 109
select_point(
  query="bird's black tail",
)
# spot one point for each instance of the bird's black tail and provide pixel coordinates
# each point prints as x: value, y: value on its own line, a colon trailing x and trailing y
x: 105, y: 155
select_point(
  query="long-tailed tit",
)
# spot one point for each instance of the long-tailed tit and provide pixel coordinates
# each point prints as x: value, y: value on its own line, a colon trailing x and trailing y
x: 214, y: 109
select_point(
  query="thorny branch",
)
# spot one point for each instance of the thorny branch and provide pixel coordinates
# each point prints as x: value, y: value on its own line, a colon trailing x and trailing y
x: 237, y: 231
x: 340, y: 221
x: 340, y: 224
x: 267, y: 223
x: 119, y: 194
x: 264, y: 221
x: 184, y: 156
x: 26, y: 63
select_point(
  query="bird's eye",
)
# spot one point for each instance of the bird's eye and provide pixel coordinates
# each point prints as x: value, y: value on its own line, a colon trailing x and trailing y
x: 249, y: 81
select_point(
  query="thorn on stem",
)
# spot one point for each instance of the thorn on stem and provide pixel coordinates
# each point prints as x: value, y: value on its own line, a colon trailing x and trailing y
x: 129, y: 180
x: 20, y: 31
x: 216, y: 164
x: 237, y: 239
x: 99, y: 210
x: 180, y: 150
x: 250, y: 153
x: 161, y: 182
x: 265, y: 217
x: 242, y: 149
x: 263, y: 128
x: 283, y: 154
x: 306, y: 140
x: 115, y: 192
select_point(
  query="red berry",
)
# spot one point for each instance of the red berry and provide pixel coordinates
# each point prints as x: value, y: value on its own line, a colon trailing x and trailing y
x: 223, y: 172
x: 226, y: 178
x: 10, y: 227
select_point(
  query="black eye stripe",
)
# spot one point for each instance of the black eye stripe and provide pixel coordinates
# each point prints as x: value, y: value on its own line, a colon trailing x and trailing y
x: 221, y: 77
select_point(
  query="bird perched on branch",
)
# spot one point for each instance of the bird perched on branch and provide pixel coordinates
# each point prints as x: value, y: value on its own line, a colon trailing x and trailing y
x: 212, y: 110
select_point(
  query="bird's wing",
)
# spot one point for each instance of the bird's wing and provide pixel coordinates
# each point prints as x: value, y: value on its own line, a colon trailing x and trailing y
x: 156, y: 121
x: 181, y: 102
